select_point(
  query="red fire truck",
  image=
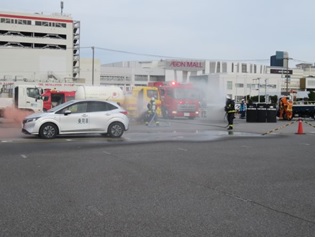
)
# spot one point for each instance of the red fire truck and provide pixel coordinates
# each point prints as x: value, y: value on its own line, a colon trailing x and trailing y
x: 178, y: 100
x: 52, y: 98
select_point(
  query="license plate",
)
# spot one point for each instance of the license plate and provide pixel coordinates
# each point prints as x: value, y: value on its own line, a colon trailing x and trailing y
x: 187, y: 114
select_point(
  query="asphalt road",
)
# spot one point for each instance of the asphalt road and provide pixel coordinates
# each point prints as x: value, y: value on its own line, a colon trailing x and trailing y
x: 257, y: 181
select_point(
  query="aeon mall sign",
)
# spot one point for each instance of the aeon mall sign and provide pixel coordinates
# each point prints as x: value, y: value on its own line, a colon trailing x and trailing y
x: 185, y: 65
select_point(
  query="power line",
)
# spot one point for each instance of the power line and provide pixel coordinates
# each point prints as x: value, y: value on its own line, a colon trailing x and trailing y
x: 166, y: 56
x: 140, y: 54
x: 176, y: 57
x: 173, y: 57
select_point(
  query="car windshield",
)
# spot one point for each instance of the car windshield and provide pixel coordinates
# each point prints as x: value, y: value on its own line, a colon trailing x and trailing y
x: 58, y: 107
x: 152, y: 93
x: 181, y: 93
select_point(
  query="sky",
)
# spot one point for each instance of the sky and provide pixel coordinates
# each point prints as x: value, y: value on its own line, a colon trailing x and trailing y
x: 243, y: 30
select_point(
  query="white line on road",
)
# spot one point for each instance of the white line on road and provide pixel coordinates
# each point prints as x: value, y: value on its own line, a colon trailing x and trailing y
x: 182, y: 149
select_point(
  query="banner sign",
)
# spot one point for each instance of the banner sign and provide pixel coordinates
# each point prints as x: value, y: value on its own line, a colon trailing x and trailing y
x: 185, y: 65
x: 281, y: 71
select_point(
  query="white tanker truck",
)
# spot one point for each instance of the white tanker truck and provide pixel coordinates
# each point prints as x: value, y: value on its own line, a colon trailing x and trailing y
x: 135, y: 103
x: 112, y: 93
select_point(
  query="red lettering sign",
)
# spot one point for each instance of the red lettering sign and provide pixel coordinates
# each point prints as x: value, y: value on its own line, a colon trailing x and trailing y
x: 184, y: 64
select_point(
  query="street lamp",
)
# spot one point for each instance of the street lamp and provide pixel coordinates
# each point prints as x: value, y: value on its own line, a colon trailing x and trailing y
x: 236, y: 79
x: 258, y: 87
x: 92, y: 65
x: 287, y: 76
x: 265, y: 89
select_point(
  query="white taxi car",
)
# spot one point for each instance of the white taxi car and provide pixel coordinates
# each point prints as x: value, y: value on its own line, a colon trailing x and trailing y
x: 78, y: 117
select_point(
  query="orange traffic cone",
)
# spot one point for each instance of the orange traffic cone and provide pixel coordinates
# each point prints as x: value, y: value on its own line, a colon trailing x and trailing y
x: 300, y: 127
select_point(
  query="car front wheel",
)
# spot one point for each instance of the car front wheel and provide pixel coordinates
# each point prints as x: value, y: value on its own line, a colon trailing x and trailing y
x: 48, y: 131
x: 116, y: 129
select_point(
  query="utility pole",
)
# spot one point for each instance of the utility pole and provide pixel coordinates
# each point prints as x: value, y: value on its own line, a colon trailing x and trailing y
x: 258, y: 79
x: 265, y: 90
x: 61, y: 7
x: 258, y: 90
x: 92, y: 65
x: 287, y: 76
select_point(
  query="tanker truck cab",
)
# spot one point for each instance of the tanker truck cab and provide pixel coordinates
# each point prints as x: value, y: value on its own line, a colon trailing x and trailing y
x: 52, y: 98
x: 28, y: 98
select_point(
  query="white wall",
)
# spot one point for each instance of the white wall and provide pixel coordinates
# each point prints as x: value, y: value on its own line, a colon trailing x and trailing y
x: 86, y: 71
x: 34, y: 64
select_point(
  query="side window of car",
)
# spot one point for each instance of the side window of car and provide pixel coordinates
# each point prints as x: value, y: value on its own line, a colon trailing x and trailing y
x: 111, y: 107
x: 82, y: 107
x: 100, y: 106
x: 77, y: 108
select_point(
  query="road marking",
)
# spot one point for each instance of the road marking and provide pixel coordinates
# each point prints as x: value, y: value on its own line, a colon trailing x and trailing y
x: 310, y: 124
x: 182, y: 149
x: 108, y: 153
x: 276, y: 129
x: 23, y: 156
x: 245, y: 146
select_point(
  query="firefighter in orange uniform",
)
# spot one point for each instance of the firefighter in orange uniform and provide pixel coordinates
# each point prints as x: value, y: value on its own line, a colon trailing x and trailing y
x: 285, y: 108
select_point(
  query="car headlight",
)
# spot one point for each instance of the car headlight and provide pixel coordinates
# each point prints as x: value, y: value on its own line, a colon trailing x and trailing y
x: 30, y: 120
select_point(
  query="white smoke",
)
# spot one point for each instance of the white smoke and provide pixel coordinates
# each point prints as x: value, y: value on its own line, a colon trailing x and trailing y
x: 214, y: 95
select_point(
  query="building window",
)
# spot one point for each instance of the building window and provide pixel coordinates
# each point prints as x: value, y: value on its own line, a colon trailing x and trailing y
x: 218, y: 67
x: 15, y: 21
x: 224, y: 68
x: 141, y: 77
x: 50, y: 24
x: 254, y: 68
x: 229, y: 85
x: 244, y: 68
x: 212, y: 67
x: 239, y: 85
x: 105, y: 78
x: 239, y: 98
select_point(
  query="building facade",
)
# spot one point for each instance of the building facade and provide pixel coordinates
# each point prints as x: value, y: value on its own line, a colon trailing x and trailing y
x: 236, y: 79
x: 37, y: 47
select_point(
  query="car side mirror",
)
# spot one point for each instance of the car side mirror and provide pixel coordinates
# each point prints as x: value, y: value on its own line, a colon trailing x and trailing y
x: 66, y: 112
